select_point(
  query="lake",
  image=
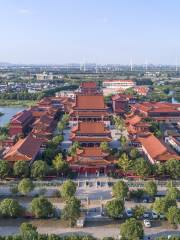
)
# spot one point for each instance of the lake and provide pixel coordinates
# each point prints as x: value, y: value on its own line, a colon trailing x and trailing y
x: 8, y: 113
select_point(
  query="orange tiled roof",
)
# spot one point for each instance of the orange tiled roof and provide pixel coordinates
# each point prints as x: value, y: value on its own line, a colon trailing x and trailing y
x: 167, y: 156
x: 22, y: 116
x: 90, y: 139
x: 24, y: 149
x: 88, y: 84
x: 134, y: 120
x: 92, y: 152
x: 89, y: 113
x: 91, y: 127
x: 90, y: 102
x: 153, y: 146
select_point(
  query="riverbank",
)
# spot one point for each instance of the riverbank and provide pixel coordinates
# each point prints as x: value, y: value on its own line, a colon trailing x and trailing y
x: 17, y: 103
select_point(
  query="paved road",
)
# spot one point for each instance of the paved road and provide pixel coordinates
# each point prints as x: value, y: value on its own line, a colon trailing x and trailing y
x: 96, y: 229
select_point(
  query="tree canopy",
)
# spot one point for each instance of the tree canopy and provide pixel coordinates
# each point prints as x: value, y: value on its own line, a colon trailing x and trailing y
x: 4, y: 169
x: 132, y: 229
x: 68, y: 189
x: 21, y: 169
x: 39, y: 169
x: 28, y: 231
x: 59, y: 164
x: 10, y: 208
x: 150, y: 188
x: 71, y: 211
x: 25, y: 186
x: 41, y: 207
x: 114, y: 208
x: 120, y: 190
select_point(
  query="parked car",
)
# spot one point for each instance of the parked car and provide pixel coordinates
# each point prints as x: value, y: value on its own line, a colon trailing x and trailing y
x: 146, y: 214
x: 161, y: 216
x: 154, y: 215
x: 129, y: 212
x: 80, y: 222
x: 147, y: 223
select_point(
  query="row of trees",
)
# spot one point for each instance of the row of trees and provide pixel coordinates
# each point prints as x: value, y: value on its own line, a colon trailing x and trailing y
x: 23, y: 95
x: 38, y: 170
x: 133, y: 161
x: 41, y: 207
x: 29, y: 232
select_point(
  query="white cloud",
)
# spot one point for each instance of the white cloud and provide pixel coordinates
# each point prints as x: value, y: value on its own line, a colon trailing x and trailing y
x: 24, y: 11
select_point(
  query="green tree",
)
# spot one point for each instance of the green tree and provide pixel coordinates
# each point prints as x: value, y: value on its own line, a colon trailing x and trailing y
x: 131, y: 230
x: 161, y: 205
x: 61, y: 126
x: 10, y: 208
x: 49, y: 153
x: 104, y: 147
x: 119, y: 123
x: 57, y: 140
x: 173, y: 215
x: 68, y: 189
x: 173, y: 168
x: 134, y: 153
x: 120, y: 190
x: 114, y: 208
x: 124, y: 162
x: 73, y: 148
x: 41, y: 207
x: 160, y: 169
x: 4, y: 169
x: 59, y: 164
x: 25, y: 186
x: 28, y: 231
x: 142, y: 167
x: 138, y: 211
x: 123, y: 141
x: 150, y: 188
x: 173, y: 193
x: 71, y: 211
x: 21, y: 169
x: 39, y: 169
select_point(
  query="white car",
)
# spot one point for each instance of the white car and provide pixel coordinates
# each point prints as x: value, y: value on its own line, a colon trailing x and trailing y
x: 129, y: 212
x: 154, y: 215
x: 147, y: 223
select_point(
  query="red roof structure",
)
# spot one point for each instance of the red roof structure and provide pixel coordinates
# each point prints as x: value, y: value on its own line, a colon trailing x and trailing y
x: 90, y: 132
x: 25, y: 149
x: 155, y: 150
x: 158, y: 111
x: 90, y: 160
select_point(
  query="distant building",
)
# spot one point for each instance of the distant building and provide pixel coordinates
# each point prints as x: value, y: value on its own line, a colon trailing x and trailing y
x: 20, y: 123
x: 174, y: 142
x: 88, y: 88
x: 69, y: 94
x: 116, y: 86
x: 159, y: 111
x: 121, y: 103
x: 142, y: 91
x: 44, y: 76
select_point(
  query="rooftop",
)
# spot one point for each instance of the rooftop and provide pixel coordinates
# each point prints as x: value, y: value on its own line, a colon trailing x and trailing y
x: 90, y: 102
x: 24, y: 149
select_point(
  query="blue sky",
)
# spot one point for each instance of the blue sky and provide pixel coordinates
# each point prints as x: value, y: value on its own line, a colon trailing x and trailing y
x: 102, y: 31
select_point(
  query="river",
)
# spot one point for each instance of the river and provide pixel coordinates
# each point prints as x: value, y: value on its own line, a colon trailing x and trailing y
x: 8, y: 113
